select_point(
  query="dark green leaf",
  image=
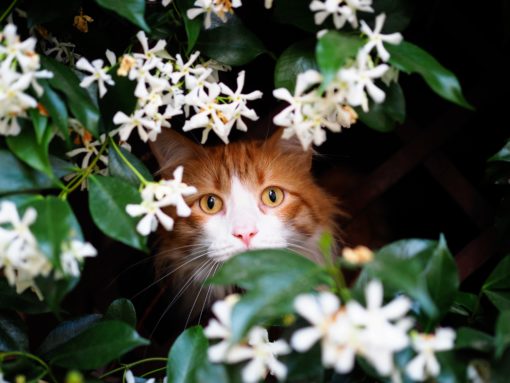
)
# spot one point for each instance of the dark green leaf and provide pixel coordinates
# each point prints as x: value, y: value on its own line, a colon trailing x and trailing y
x: 273, y: 278
x: 398, y: 14
x: 400, y: 267
x: 79, y: 102
x: 503, y: 155
x: 27, y: 302
x: 55, y: 225
x: 502, y: 337
x: 498, y: 279
x: 187, y: 354
x: 13, y: 335
x: 305, y: 367
x: 295, y: 12
x: 468, y: 337
x: 97, y: 346
x: 442, y: 277
x: 66, y: 331
x: 27, y: 149
x: 122, y: 310
x: 333, y: 50
x: 410, y: 58
x: 192, y: 27
x: 212, y: 372
x: 54, y: 290
x: 500, y: 299
x: 108, y: 198
x: 16, y: 177
x: 132, y: 10
x: 464, y: 303
x: 385, y: 116
x: 296, y: 59
x: 118, y: 168
x: 230, y: 43
x: 40, y: 124
x: 57, y: 109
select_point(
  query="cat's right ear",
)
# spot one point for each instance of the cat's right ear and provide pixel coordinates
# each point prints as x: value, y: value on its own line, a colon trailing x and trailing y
x: 172, y: 149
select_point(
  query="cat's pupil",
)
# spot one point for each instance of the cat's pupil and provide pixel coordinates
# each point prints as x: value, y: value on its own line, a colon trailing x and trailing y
x: 210, y: 202
x: 272, y: 195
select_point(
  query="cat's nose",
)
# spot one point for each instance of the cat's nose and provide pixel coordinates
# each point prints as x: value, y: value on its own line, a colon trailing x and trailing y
x: 245, y: 234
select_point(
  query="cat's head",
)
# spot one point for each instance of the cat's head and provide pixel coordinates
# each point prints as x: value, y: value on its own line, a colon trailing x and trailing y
x: 251, y: 195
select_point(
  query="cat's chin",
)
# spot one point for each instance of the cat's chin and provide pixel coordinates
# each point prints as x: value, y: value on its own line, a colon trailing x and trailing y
x: 225, y: 256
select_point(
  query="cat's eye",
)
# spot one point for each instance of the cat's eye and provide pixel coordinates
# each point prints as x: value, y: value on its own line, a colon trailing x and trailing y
x: 211, y: 203
x: 272, y: 196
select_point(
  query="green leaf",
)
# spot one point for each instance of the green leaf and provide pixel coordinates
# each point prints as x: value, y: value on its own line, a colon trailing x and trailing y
x: 400, y: 266
x: 442, y: 277
x: 273, y: 278
x: 305, y: 367
x: 132, y: 10
x: 108, y: 198
x: 66, y: 331
x: 79, y: 102
x: 122, y: 310
x: 212, y: 372
x: 410, y: 58
x: 187, y: 354
x: 500, y: 299
x: 13, y: 335
x: 27, y: 149
x: 471, y: 338
x: 464, y: 303
x: 54, y: 290
x: 502, y: 337
x: 230, y: 43
x: 56, y: 107
x: 503, y: 155
x: 192, y: 27
x: 296, y: 59
x: 118, y: 168
x: 295, y: 12
x: 16, y: 177
x: 26, y: 302
x: 97, y: 346
x: 55, y: 225
x: 40, y: 124
x: 385, y: 116
x: 333, y: 50
x: 497, y: 285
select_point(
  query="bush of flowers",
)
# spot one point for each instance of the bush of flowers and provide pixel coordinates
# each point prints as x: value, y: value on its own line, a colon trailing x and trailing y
x: 68, y: 123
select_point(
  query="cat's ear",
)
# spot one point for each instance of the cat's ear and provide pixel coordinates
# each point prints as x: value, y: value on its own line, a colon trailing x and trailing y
x: 291, y: 146
x: 172, y: 149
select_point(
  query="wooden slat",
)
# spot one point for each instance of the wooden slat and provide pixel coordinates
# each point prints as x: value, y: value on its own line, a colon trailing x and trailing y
x: 476, y: 253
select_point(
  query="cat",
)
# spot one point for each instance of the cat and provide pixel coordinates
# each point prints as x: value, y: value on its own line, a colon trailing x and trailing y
x: 252, y: 194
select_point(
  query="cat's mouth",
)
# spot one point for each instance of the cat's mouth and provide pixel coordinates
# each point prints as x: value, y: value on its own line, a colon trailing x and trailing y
x: 225, y: 254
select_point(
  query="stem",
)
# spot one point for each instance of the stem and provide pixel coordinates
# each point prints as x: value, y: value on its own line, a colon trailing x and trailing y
x: 130, y: 365
x: 78, y: 180
x: 334, y: 270
x: 139, y: 175
x: 153, y: 371
x: 8, y: 10
x: 29, y: 356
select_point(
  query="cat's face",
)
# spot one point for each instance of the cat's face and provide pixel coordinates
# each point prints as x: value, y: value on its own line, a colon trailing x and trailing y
x: 251, y: 195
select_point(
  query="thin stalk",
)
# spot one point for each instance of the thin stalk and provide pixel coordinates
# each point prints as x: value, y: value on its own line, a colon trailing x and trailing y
x: 131, y: 365
x: 142, y: 179
x: 29, y: 356
x: 8, y: 10
x: 153, y: 372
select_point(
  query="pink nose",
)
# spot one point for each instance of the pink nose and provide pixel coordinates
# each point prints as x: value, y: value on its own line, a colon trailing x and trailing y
x: 245, y: 234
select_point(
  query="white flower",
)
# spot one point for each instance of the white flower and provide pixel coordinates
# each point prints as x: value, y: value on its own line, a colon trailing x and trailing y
x: 146, y: 128
x: 202, y: 6
x: 376, y: 39
x: 384, y: 328
x: 149, y: 54
x: 22, y: 51
x: 326, y: 8
x: 166, y: 2
x: 268, y: 3
x: 73, y: 254
x: 425, y: 365
x: 157, y: 195
x: 258, y: 350
x: 357, y: 5
x: 98, y: 73
x: 89, y: 148
x: 130, y: 378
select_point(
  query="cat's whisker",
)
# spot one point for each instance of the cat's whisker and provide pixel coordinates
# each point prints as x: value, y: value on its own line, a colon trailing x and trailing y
x: 206, y: 300
x: 211, y: 268
x: 179, y: 293
x: 200, y: 255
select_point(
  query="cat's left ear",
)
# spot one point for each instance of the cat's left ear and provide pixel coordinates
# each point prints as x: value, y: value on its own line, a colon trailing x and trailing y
x: 292, y: 146
x: 173, y: 149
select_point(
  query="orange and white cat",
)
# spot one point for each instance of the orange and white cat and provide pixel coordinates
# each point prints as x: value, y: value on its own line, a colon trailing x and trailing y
x: 251, y: 195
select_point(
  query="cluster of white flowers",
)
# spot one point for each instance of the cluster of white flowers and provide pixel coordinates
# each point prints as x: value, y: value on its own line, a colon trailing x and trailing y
x: 168, y: 86
x: 376, y: 333
x: 157, y: 195
x: 19, y: 70
x: 311, y: 110
x: 261, y: 353
x: 220, y: 8
x: 20, y: 256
